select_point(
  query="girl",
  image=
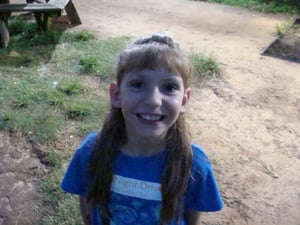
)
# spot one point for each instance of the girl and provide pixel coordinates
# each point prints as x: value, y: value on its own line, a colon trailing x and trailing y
x: 142, y: 169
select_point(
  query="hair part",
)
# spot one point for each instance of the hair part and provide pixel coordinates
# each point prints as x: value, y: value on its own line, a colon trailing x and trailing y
x: 151, y: 52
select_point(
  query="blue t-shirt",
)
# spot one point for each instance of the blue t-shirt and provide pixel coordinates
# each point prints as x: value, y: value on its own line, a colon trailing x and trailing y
x: 135, y: 190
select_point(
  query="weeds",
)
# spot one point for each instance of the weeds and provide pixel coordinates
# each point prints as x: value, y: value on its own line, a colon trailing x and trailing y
x: 67, y: 213
x: 204, y: 66
x: 271, y: 6
x: 89, y: 64
x: 268, y: 169
x: 77, y: 110
x: 79, y: 36
x: 283, y: 28
x: 66, y: 209
x: 71, y: 87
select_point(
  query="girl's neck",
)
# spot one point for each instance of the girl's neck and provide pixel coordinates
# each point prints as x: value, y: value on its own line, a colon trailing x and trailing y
x: 142, y: 147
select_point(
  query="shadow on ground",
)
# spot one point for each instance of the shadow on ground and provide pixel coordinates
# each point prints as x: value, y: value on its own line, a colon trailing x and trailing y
x: 287, y: 46
x: 26, y: 41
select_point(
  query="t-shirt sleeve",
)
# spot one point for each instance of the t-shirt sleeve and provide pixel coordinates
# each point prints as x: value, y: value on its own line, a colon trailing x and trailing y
x: 202, y: 193
x: 76, y: 177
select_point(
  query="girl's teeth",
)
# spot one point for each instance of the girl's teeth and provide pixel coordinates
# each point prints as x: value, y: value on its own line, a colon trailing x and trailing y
x: 150, y: 117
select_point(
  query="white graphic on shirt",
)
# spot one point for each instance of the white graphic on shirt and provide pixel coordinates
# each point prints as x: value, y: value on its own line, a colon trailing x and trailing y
x: 136, y: 188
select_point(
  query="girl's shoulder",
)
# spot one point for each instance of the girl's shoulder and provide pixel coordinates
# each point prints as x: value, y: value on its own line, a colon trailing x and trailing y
x: 201, y: 161
x: 87, y: 145
x: 199, y: 153
x: 203, y: 193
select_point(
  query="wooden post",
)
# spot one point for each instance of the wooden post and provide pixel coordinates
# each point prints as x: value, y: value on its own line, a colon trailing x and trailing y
x: 4, y: 34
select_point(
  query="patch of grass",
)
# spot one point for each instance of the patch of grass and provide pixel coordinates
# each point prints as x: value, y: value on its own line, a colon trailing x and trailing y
x: 37, y: 123
x: 17, y: 25
x: 57, y: 158
x: 89, y: 57
x: 79, y: 36
x: 77, y: 110
x: 65, y: 206
x: 281, y: 29
x: 25, y: 34
x: 71, y: 87
x: 49, y: 186
x: 92, y: 121
x: 89, y: 64
x: 272, y: 6
x: 100, y: 59
x: 55, y: 97
x: 24, y: 108
x: 67, y: 213
x: 204, y: 66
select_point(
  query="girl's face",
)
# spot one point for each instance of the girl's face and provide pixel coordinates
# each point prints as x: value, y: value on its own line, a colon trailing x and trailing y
x: 151, y: 101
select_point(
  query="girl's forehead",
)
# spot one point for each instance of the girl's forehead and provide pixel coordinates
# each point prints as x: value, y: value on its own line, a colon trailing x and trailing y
x: 157, y: 73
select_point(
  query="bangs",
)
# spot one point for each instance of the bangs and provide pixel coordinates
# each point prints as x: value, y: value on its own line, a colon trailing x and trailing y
x: 154, y: 56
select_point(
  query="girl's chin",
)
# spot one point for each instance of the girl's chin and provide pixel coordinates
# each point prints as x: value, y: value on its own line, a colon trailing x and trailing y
x: 149, y: 136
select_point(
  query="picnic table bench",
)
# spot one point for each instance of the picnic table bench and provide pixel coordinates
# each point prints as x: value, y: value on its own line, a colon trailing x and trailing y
x: 42, y: 12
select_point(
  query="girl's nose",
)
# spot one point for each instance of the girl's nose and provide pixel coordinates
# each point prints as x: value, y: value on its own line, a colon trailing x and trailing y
x: 153, y: 97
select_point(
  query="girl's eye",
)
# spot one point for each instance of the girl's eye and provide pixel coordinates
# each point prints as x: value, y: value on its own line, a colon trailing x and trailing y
x: 170, y: 88
x: 137, y: 84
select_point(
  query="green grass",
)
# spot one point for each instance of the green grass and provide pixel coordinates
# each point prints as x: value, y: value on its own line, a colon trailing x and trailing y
x: 271, y: 6
x: 42, y: 85
x: 51, y: 83
x: 281, y: 29
x: 65, y: 209
x: 204, y: 66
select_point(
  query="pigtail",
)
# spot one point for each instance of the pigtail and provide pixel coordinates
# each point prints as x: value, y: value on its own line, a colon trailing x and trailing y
x: 108, y: 142
x: 177, y: 171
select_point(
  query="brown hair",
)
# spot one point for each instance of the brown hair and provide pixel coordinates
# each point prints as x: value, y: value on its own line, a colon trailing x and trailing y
x: 151, y: 52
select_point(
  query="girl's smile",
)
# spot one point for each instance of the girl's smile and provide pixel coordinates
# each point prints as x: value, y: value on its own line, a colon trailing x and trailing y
x: 151, y: 101
x: 151, y: 118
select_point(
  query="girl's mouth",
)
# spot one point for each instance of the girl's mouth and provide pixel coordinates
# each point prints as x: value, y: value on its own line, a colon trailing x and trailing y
x: 150, y: 117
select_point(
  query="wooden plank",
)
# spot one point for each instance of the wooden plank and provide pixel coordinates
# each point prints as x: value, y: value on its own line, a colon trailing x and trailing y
x: 59, y: 3
x: 33, y: 7
x: 69, y: 8
x: 72, y: 13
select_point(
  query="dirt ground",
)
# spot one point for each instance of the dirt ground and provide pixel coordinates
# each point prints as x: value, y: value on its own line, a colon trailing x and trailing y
x: 248, y: 121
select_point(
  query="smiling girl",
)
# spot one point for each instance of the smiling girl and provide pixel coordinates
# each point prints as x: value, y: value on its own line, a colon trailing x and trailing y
x: 141, y: 168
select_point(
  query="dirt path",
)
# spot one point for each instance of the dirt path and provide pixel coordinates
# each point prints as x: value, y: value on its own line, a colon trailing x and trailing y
x: 248, y: 122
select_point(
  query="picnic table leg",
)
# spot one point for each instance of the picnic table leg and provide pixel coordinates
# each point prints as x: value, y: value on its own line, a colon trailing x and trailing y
x: 38, y: 19
x: 5, y: 16
x: 45, y: 21
x: 42, y: 20
x: 4, y: 34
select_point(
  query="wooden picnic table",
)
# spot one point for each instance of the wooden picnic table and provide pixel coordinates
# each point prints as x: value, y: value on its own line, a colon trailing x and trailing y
x: 42, y: 11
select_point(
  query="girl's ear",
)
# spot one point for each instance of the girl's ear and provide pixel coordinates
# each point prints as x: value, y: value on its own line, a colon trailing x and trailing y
x: 185, y: 100
x: 114, y: 92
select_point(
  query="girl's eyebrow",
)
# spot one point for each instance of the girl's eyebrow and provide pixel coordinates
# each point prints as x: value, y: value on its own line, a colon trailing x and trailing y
x: 173, y: 77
